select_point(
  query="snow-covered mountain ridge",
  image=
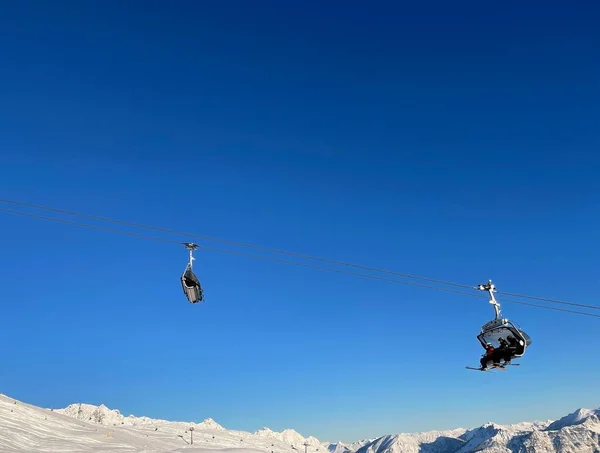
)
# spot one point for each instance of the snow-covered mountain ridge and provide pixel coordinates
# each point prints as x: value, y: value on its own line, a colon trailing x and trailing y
x: 578, y: 432
x: 85, y: 427
x: 112, y: 417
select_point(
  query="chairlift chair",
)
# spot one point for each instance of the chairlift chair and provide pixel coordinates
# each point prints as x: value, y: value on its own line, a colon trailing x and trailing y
x: 189, y: 282
x: 501, y: 327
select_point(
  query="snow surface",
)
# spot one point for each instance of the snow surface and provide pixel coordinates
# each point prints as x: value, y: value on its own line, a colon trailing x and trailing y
x: 89, y: 428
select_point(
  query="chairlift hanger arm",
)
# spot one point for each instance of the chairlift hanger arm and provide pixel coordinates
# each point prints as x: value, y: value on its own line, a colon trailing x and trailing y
x: 491, y: 289
x: 191, y: 247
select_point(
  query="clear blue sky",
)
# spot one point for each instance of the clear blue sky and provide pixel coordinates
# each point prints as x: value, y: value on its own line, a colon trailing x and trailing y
x: 457, y: 141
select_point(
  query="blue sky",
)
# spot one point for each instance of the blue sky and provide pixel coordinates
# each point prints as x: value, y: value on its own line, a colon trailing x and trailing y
x: 453, y: 141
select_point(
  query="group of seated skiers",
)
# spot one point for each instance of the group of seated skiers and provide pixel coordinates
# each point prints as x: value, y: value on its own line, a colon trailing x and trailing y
x: 506, y: 351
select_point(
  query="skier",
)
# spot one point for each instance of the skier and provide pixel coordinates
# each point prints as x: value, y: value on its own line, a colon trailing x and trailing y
x: 505, y: 351
x: 488, y: 356
x: 513, y: 348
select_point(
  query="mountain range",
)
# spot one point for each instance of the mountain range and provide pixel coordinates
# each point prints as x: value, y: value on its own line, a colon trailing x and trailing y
x: 90, y: 428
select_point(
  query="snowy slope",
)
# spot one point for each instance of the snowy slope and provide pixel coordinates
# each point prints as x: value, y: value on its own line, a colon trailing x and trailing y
x: 88, y: 428
x: 27, y: 428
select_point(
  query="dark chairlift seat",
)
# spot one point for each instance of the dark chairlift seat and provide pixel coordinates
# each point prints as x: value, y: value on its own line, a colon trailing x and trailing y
x: 189, y: 282
x: 191, y: 286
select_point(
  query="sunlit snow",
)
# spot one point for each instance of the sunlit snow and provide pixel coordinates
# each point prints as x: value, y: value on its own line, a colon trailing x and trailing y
x: 88, y: 428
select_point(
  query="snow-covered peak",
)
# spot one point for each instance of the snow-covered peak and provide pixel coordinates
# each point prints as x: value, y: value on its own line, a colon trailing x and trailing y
x: 96, y: 414
x: 574, y: 418
x: 293, y: 438
x: 113, y: 417
x: 339, y: 447
x: 359, y: 443
x: 209, y: 423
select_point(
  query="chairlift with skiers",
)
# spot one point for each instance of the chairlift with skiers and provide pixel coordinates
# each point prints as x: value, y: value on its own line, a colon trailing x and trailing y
x: 501, y: 336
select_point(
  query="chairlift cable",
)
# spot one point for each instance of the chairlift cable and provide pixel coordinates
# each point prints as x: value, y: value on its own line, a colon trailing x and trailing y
x: 273, y: 250
x: 234, y: 243
x: 285, y: 252
x: 267, y: 258
x: 280, y: 251
x: 554, y: 301
x: 232, y: 252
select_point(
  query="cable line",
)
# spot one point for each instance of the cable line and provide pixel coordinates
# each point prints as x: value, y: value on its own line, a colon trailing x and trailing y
x: 235, y: 243
x: 277, y: 260
x: 273, y: 250
x: 554, y: 301
x: 232, y: 252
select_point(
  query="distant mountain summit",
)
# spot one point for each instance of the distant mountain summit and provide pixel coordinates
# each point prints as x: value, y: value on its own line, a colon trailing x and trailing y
x: 293, y: 438
x: 112, y: 417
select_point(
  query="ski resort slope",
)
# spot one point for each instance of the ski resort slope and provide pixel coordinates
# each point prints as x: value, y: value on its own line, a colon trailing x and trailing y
x: 27, y: 428
x: 89, y: 428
